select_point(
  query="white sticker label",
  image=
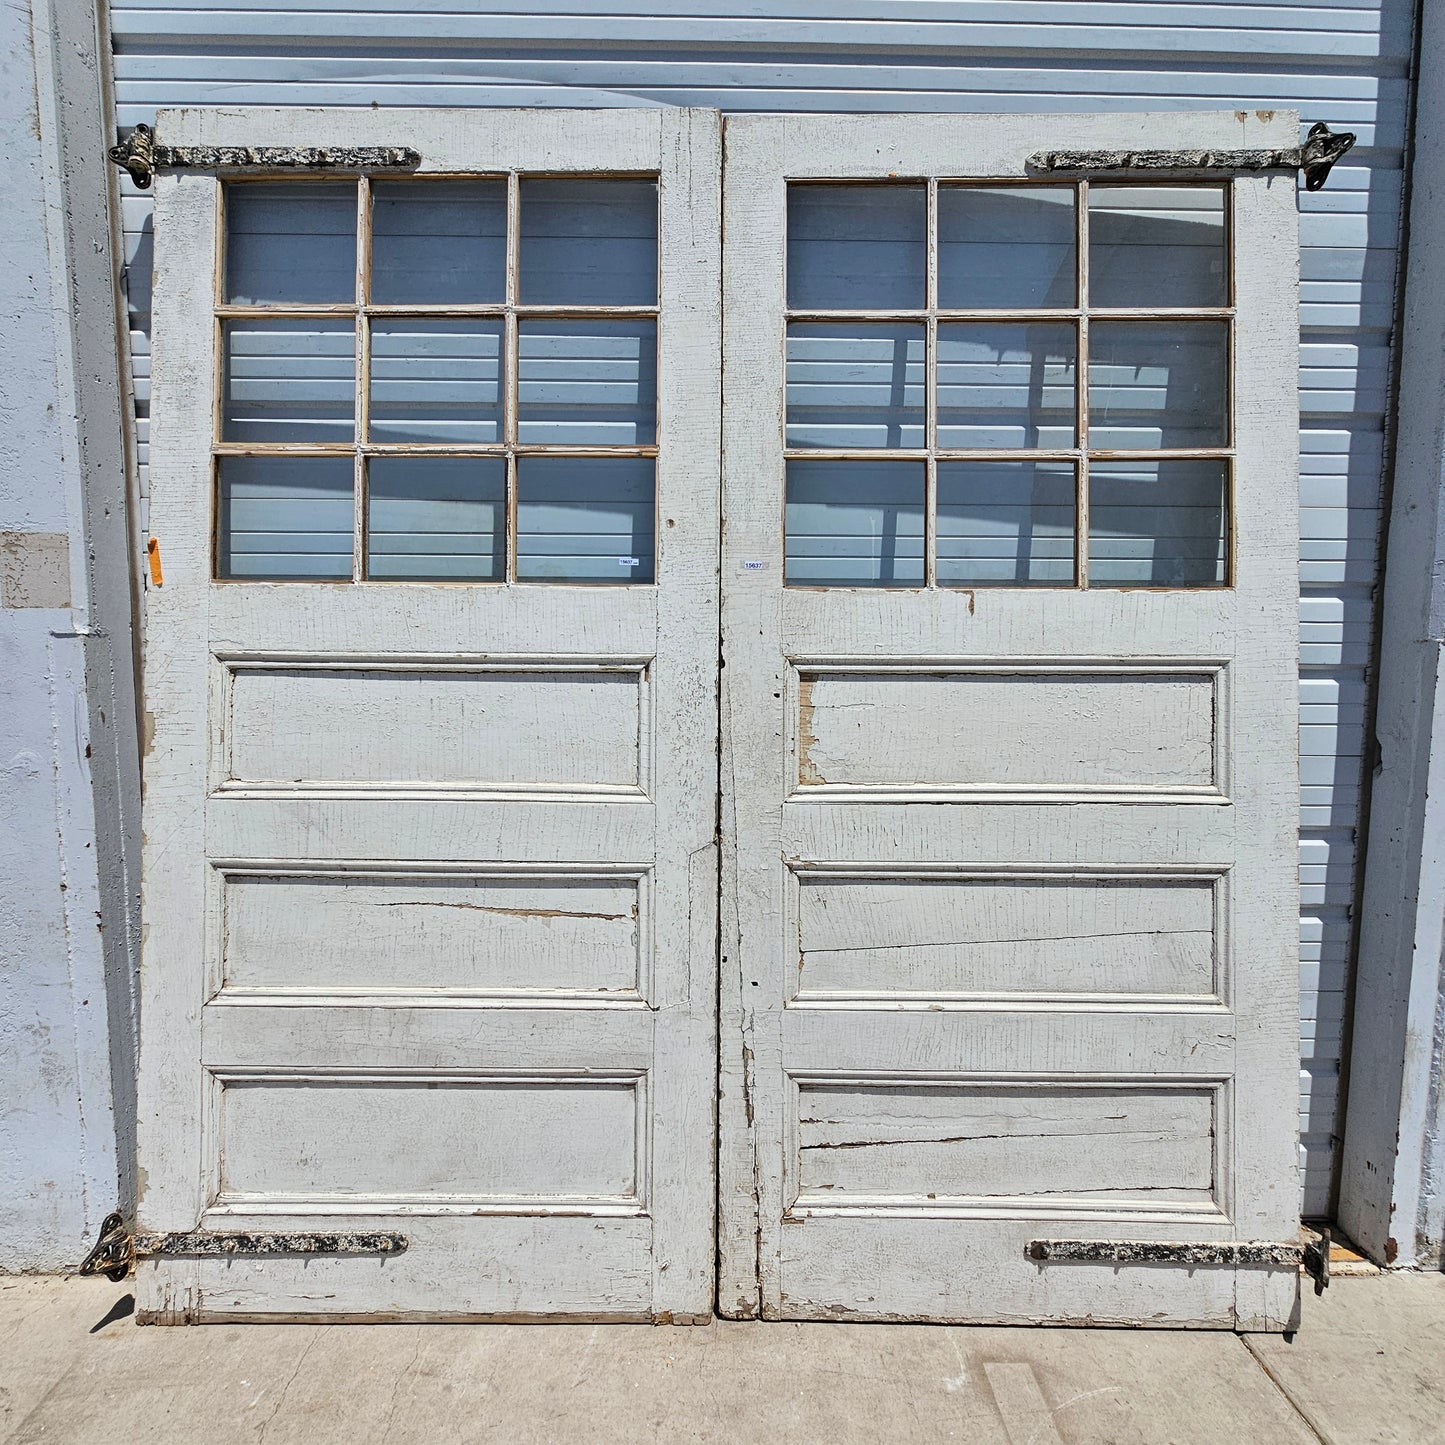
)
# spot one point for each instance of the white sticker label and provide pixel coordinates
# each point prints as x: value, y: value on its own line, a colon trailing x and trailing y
x: 752, y: 566
x: 628, y: 562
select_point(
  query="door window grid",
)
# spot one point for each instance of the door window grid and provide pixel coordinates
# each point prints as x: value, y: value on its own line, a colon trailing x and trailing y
x: 1081, y: 454
x: 363, y: 313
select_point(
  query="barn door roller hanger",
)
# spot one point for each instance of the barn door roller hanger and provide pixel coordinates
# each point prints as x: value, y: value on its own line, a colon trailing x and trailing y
x: 141, y: 154
x: 1321, y: 149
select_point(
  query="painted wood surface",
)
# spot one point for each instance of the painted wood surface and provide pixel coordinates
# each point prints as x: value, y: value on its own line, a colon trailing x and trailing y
x: 929, y: 936
x: 480, y: 727
x: 1191, y: 1102
x: 1117, y: 1150
x: 430, y: 872
x: 440, y: 934
x: 911, y: 730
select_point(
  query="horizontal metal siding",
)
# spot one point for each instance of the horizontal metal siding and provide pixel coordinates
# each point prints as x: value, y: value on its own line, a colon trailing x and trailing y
x: 1345, y: 63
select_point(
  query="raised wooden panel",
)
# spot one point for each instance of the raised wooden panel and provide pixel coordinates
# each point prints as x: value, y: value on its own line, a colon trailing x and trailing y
x: 345, y: 930
x: 923, y: 935
x: 1102, y: 729
x: 327, y: 1141
x: 433, y: 726
x: 1029, y: 1148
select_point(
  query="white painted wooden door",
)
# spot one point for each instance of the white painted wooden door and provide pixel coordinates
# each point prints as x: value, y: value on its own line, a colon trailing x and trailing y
x: 430, y: 872
x: 1009, y: 757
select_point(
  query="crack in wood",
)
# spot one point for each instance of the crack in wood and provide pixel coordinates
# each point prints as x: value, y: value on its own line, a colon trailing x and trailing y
x: 992, y: 942
x: 512, y: 912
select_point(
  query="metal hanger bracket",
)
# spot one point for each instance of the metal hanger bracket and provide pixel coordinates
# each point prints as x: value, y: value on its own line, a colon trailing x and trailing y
x: 1321, y: 149
x: 140, y: 154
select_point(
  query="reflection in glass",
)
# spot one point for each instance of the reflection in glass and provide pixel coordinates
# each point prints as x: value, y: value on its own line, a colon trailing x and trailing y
x: 1158, y: 523
x: 1006, y: 383
x: 589, y: 243
x: 1152, y: 246
x: 1158, y: 384
x: 587, y: 383
x: 1006, y: 246
x: 585, y: 519
x: 854, y: 523
x: 284, y: 517
x: 855, y: 384
x: 436, y: 517
x: 1006, y: 523
x: 435, y: 381
x: 291, y: 243
x: 438, y: 243
x: 856, y: 247
x: 288, y: 381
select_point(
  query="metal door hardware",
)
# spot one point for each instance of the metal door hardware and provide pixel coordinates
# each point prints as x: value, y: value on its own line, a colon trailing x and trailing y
x: 142, y: 155
x: 117, y: 1249
x: 1314, y: 1256
x: 1322, y: 148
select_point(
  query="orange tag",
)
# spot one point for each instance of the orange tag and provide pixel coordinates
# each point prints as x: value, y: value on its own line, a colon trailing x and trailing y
x: 153, y: 554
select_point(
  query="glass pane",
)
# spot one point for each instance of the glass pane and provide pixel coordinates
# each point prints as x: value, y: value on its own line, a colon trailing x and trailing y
x: 1006, y: 246
x: 443, y: 517
x: 291, y: 243
x: 1006, y: 383
x: 854, y: 524
x: 289, y: 381
x: 1158, y: 384
x: 1157, y: 246
x: 1009, y: 523
x: 1161, y: 524
x: 284, y: 517
x: 436, y: 381
x: 436, y: 243
x: 856, y: 247
x: 587, y: 382
x: 585, y: 519
x: 589, y: 243
x: 855, y: 385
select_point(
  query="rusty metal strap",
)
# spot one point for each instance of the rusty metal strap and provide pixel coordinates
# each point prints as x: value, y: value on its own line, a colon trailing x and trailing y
x: 204, y: 1244
x: 1322, y: 148
x: 142, y: 155
x: 1142, y: 1251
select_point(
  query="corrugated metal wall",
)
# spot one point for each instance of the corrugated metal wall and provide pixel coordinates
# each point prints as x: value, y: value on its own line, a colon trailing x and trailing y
x: 1341, y: 61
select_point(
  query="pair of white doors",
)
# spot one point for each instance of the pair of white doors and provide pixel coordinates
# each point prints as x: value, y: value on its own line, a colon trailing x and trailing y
x: 722, y: 733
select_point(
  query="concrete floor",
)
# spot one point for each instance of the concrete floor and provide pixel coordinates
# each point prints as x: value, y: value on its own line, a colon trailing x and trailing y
x: 1367, y: 1365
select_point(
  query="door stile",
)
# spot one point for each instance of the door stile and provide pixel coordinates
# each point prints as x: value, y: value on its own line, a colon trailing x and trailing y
x: 685, y: 769
x: 751, y: 737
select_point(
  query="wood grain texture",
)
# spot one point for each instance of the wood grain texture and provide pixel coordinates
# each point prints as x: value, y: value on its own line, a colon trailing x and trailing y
x: 930, y: 938
x: 1021, y: 1149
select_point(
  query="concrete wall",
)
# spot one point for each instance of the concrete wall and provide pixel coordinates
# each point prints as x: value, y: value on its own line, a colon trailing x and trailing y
x: 67, y: 719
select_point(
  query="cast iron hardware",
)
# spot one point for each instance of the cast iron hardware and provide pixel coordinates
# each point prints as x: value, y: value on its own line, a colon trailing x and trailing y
x: 142, y: 155
x: 1145, y: 1251
x: 1317, y: 1260
x: 205, y: 1244
x: 114, y: 1251
x: 117, y: 1249
x: 1322, y: 148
